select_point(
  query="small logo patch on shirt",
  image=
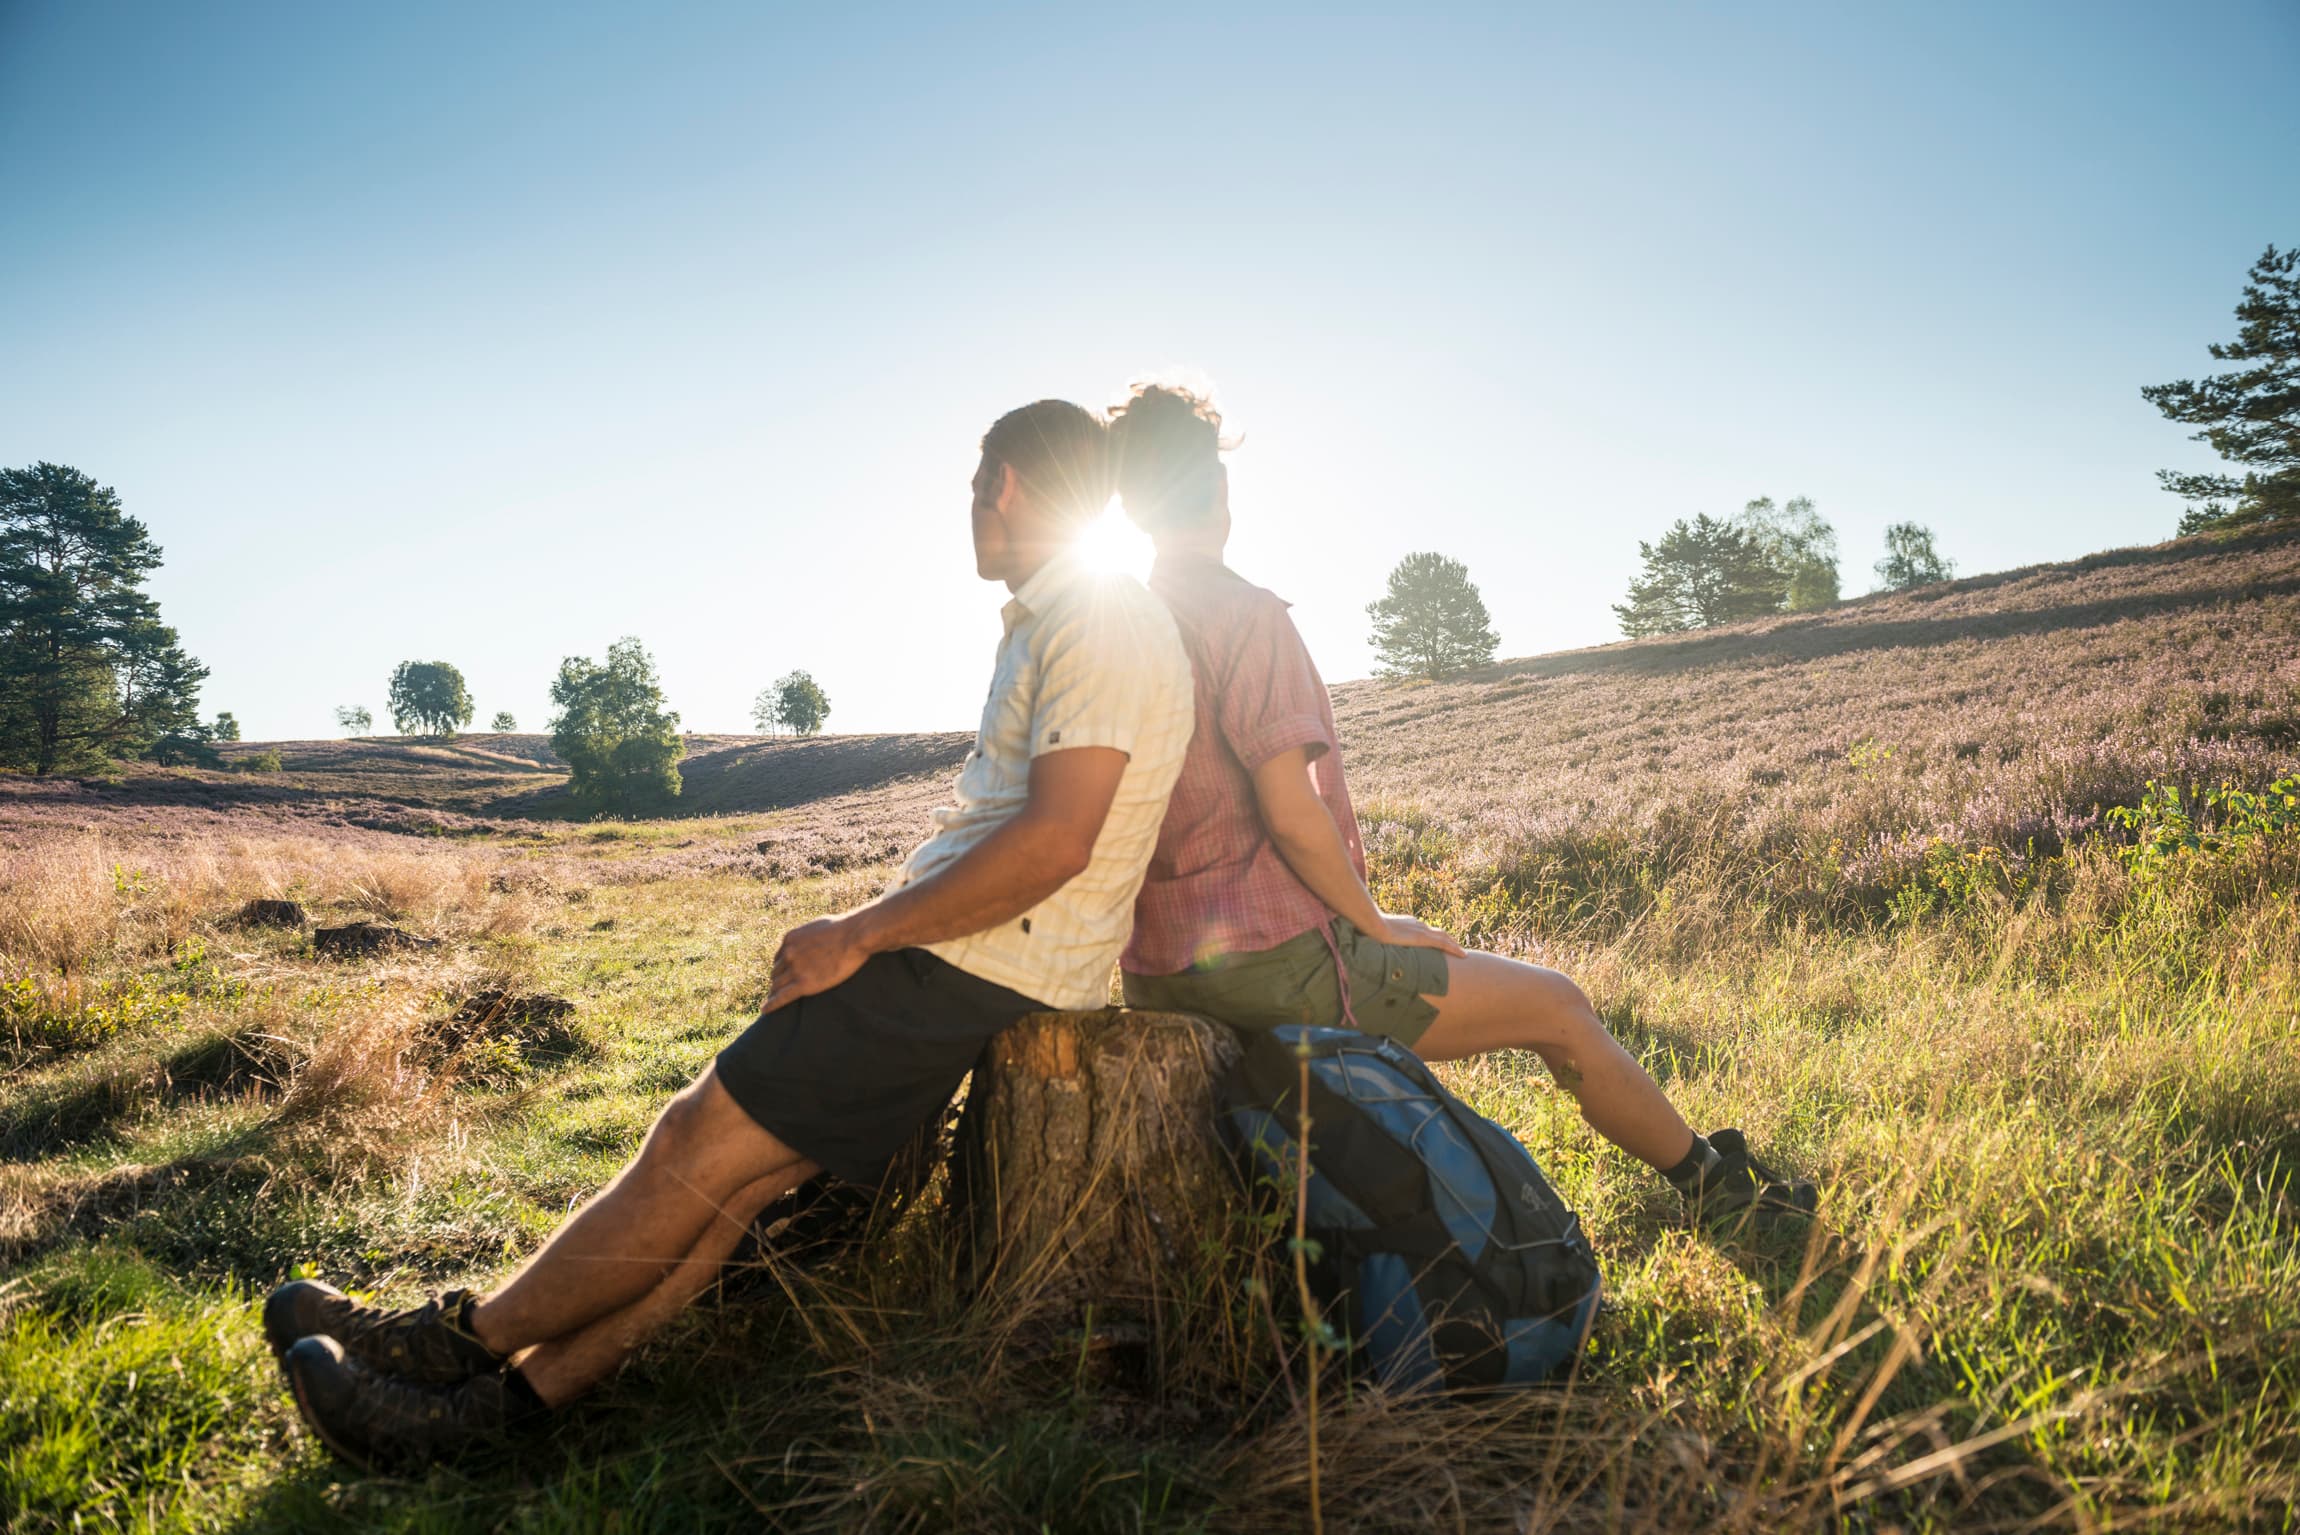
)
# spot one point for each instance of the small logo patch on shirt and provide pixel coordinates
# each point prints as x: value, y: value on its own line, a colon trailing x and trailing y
x: 1054, y: 738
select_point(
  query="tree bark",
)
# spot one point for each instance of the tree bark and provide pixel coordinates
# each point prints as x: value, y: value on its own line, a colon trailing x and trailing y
x: 1086, y: 1170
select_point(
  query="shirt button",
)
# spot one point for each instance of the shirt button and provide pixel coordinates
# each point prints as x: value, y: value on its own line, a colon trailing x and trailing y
x: 1397, y: 975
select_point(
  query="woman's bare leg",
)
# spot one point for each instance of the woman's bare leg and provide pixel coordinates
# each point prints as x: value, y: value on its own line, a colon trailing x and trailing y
x: 1494, y: 1003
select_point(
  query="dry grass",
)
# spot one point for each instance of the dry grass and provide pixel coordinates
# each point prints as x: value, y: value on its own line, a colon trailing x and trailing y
x: 73, y: 901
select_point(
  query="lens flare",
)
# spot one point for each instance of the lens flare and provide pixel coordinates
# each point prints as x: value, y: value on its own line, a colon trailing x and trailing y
x: 1114, y: 545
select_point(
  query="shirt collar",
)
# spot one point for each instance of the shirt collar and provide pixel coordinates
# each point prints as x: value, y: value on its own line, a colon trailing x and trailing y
x: 1045, y: 584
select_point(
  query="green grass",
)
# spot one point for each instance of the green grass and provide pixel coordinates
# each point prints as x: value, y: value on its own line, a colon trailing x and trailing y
x: 2056, y: 1282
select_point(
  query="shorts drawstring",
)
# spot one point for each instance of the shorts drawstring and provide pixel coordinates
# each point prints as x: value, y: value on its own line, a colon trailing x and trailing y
x: 1341, y: 974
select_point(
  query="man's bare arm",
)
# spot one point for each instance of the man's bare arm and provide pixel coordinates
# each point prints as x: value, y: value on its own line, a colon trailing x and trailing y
x: 1047, y: 844
x: 1304, y: 833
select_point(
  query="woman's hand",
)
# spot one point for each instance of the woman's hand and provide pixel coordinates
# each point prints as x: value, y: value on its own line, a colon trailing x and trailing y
x: 1414, y: 933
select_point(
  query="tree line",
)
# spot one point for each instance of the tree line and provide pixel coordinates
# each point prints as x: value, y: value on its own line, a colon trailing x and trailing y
x: 90, y: 674
x: 609, y: 722
x: 1432, y: 621
x: 1765, y: 559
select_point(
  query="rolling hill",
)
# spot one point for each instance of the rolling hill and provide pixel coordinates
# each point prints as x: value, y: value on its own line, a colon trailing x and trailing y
x: 2001, y: 710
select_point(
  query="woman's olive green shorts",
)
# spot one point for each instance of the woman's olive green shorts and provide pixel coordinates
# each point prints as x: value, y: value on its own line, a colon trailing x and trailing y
x: 1296, y: 983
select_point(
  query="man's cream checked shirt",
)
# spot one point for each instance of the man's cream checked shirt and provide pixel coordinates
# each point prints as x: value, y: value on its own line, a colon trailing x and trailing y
x: 1087, y: 659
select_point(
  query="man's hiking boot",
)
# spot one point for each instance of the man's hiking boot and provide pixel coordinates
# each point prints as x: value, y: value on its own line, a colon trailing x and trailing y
x: 1734, y: 1188
x: 378, y: 1422
x: 431, y: 1343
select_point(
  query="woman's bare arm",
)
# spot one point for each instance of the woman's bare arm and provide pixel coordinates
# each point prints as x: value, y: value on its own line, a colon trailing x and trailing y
x: 1303, y: 831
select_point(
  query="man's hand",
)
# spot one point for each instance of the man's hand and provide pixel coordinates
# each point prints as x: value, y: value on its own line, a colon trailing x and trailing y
x: 815, y: 956
x: 1413, y: 933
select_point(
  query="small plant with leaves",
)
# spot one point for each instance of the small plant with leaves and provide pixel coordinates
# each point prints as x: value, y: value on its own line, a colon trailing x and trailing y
x: 37, y: 1016
x: 2167, y: 825
x: 1869, y: 757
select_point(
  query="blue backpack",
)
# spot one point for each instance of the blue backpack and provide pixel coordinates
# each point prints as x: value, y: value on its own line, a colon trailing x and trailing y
x: 1442, y: 1252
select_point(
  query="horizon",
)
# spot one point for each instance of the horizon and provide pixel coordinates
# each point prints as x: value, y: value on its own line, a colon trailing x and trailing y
x: 1681, y: 639
x: 420, y: 337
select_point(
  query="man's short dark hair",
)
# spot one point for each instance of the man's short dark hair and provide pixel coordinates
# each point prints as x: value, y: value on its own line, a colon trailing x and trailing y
x: 1059, y: 451
x: 1165, y: 447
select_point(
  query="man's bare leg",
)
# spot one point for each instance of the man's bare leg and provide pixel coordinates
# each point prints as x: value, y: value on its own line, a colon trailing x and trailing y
x: 702, y: 1153
x: 564, y: 1368
x: 1492, y: 1003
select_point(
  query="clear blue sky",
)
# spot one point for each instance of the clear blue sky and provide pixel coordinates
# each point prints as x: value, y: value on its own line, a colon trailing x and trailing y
x: 492, y: 333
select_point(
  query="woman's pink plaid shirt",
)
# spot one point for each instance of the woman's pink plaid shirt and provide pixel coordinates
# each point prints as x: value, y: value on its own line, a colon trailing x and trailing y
x: 1216, y: 884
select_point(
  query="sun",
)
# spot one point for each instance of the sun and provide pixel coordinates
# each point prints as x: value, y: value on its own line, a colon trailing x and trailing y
x: 1112, y: 544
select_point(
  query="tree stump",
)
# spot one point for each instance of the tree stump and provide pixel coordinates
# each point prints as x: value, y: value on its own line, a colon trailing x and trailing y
x: 1086, y: 1170
x: 266, y: 913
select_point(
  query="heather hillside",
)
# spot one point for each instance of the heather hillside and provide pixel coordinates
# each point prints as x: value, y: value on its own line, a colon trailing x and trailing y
x: 765, y: 806
x: 520, y: 776
x: 1828, y: 756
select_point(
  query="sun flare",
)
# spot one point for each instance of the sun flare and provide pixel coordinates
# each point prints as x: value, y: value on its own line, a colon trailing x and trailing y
x: 1112, y: 544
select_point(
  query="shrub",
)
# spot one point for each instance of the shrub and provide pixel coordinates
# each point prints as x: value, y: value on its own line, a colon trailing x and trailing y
x: 37, y: 1016
x: 2167, y: 825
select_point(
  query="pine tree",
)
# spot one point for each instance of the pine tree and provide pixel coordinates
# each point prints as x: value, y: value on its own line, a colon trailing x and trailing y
x: 1432, y: 622
x: 86, y: 667
x: 2251, y: 416
x: 1701, y: 572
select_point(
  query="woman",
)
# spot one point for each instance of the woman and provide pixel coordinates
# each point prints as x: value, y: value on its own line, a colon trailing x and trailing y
x: 1256, y: 910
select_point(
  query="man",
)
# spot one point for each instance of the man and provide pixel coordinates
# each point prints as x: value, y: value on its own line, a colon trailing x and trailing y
x: 1018, y: 902
x: 1256, y: 912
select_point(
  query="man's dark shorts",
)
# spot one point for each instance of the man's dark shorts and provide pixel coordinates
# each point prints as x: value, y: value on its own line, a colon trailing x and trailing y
x: 846, y: 1077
